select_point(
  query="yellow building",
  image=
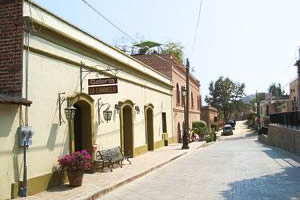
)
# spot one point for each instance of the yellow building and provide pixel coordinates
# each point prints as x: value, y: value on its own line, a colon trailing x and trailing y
x: 62, y: 66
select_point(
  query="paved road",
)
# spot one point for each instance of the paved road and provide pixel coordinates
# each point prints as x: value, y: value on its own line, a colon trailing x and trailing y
x: 235, y: 167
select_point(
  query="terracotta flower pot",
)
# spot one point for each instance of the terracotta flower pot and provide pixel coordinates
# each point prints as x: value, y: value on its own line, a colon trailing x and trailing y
x: 75, y: 178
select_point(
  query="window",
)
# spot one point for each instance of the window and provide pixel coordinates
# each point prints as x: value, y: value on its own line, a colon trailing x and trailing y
x: 267, y: 112
x: 164, y: 122
x: 199, y: 103
x: 182, y: 97
x: 215, y: 119
x: 192, y: 100
x: 177, y: 95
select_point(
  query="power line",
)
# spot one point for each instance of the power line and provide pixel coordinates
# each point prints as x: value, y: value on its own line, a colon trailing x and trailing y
x: 119, y: 29
x: 197, y: 26
x: 106, y: 19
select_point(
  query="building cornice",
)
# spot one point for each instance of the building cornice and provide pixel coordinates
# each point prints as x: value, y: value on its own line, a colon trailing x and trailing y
x: 105, y: 50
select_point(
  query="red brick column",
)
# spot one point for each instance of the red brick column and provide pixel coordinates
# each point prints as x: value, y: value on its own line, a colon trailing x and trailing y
x: 11, y: 46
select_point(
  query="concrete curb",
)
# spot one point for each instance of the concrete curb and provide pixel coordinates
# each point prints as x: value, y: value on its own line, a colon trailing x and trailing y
x: 128, y: 180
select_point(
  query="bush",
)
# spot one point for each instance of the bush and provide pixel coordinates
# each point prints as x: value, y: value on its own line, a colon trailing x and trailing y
x: 199, y: 124
x: 200, y: 128
x: 208, y: 138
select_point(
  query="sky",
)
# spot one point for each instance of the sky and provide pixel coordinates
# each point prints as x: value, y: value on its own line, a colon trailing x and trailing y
x: 254, y: 42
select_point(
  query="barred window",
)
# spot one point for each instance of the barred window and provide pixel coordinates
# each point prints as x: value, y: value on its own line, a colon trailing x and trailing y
x: 177, y: 95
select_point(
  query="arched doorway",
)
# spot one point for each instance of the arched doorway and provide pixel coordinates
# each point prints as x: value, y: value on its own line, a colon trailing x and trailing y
x: 178, y: 132
x: 127, y: 130
x: 82, y: 127
x: 149, y: 129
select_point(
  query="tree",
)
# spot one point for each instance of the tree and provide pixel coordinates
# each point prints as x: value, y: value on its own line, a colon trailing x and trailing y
x: 276, y: 90
x: 175, y: 49
x: 224, y: 95
x: 150, y: 47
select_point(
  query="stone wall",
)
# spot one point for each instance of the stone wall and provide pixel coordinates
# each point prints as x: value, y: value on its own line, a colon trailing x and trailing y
x: 285, y: 138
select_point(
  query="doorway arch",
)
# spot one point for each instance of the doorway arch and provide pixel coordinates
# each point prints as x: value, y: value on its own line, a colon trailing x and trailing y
x: 82, y: 129
x: 126, y: 127
x: 149, y: 126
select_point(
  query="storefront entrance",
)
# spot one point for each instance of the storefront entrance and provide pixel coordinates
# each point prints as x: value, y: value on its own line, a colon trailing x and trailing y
x: 149, y: 129
x: 82, y: 127
x: 127, y: 133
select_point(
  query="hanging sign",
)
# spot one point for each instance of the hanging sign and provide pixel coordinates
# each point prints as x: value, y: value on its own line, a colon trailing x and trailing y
x: 110, y: 89
x: 102, y: 81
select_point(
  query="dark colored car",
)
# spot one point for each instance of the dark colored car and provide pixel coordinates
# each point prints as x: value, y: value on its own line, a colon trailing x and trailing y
x: 232, y: 123
x: 227, y: 130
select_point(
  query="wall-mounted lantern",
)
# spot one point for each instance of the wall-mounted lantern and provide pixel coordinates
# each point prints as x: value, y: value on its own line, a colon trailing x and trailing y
x: 69, y: 111
x: 137, y: 109
x: 107, y: 113
x: 117, y: 108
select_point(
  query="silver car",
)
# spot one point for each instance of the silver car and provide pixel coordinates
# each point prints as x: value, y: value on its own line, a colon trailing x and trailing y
x: 227, y: 130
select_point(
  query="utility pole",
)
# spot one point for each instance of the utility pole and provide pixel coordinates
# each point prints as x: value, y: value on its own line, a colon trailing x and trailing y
x: 298, y: 82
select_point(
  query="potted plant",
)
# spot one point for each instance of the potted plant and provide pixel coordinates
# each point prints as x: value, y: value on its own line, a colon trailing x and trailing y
x: 75, y: 164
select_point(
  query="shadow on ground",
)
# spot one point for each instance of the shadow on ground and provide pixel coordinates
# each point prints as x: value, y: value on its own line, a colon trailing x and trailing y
x: 284, y: 185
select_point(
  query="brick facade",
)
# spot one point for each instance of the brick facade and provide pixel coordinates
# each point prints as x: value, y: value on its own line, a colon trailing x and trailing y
x: 11, y: 46
x: 171, y: 67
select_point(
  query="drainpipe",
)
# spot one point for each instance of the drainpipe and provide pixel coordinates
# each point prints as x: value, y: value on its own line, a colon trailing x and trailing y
x: 26, y: 75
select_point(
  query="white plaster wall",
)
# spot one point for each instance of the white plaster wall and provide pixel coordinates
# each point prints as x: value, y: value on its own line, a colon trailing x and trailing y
x: 108, y: 134
x: 10, y: 154
x: 48, y: 77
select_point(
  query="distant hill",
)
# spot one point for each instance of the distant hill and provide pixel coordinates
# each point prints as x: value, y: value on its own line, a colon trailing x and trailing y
x: 248, y: 98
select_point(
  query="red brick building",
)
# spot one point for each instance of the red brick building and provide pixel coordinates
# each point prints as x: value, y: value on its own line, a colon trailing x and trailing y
x: 171, y: 67
x: 209, y: 114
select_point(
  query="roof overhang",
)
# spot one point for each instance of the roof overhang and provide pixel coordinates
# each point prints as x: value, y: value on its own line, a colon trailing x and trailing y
x: 8, y: 99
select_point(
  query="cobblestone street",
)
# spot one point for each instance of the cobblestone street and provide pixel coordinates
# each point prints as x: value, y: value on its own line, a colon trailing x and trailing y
x: 235, y: 167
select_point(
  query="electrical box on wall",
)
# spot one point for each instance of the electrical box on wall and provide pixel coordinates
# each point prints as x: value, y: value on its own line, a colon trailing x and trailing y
x: 25, y: 136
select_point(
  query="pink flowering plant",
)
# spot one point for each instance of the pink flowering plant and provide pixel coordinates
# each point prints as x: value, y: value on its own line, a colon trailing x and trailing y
x: 79, y: 160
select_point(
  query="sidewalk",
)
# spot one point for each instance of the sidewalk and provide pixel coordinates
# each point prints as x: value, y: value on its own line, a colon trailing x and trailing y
x: 97, y: 184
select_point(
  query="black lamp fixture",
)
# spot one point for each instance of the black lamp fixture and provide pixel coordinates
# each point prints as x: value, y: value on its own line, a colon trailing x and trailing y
x: 107, y: 113
x: 69, y: 111
x: 137, y: 109
x: 117, y: 108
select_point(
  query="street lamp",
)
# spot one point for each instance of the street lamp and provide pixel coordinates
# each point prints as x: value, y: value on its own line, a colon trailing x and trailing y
x: 185, y: 93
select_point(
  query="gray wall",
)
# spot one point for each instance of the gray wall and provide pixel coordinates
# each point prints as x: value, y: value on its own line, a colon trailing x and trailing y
x: 285, y: 138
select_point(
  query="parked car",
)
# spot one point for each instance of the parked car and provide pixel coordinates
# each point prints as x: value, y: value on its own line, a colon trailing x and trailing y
x: 232, y: 123
x: 227, y: 130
